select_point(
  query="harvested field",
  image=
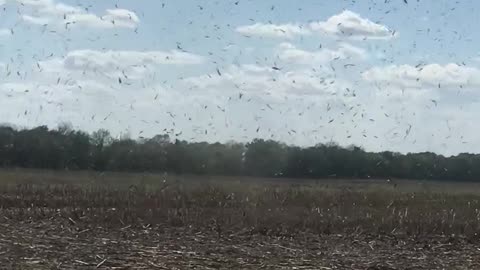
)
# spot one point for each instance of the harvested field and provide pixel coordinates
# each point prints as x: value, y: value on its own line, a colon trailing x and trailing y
x: 235, y: 225
x: 54, y: 245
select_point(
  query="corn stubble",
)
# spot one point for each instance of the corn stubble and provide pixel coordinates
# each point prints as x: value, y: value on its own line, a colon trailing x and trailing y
x: 230, y: 225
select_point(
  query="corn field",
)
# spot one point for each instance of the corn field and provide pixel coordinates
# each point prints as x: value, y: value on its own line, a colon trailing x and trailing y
x: 175, y: 224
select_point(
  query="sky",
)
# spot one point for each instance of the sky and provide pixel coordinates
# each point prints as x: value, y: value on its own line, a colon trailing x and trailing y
x: 384, y: 75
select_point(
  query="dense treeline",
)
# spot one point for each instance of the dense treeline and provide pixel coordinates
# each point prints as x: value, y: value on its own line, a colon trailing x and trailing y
x: 64, y: 148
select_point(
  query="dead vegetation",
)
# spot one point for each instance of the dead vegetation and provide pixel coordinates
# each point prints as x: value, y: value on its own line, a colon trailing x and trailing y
x: 235, y: 225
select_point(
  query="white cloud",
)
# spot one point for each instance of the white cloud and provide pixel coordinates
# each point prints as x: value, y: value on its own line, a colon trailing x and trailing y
x: 110, y: 59
x: 60, y: 14
x: 4, y: 32
x: 351, y: 25
x: 113, y: 18
x: 92, y: 75
x: 36, y: 20
x: 122, y: 17
x: 50, y: 7
x: 264, y: 81
x: 289, y: 53
x: 347, y: 24
x: 132, y: 64
x: 431, y: 75
x: 287, y: 31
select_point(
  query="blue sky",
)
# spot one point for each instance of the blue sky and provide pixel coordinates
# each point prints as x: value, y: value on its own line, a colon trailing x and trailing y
x: 384, y: 75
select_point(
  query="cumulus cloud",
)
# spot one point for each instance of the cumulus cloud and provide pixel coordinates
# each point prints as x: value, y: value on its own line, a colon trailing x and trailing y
x: 83, y: 58
x: 351, y: 25
x: 287, y: 31
x: 265, y: 81
x: 60, y: 14
x: 121, y: 18
x: 347, y: 24
x: 289, y: 53
x: 91, y: 75
x: 75, y: 88
x: 431, y: 75
x: 129, y: 64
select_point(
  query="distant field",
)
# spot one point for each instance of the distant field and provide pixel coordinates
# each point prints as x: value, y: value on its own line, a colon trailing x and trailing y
x: 121, y: 179
x: 72, y: 220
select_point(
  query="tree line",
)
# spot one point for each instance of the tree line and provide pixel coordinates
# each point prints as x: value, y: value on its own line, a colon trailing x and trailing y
x: 64, y: 148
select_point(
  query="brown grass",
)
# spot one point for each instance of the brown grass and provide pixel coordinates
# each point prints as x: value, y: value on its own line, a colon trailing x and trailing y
x: 370, y: 222
x: 261, y: 206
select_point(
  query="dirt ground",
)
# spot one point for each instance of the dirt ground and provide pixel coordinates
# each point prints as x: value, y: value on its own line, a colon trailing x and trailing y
x: 234, y: 225
x: 50, y: 244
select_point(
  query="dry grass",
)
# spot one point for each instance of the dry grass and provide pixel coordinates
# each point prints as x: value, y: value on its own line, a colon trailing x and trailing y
x: 262, y: 208
x: 229, y: 209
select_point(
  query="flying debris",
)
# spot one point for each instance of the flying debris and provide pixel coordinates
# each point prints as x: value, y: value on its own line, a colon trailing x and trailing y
x: 285, y: 72
x: 180, y: 47
x: 407, y: 132
x: 106, y: 117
